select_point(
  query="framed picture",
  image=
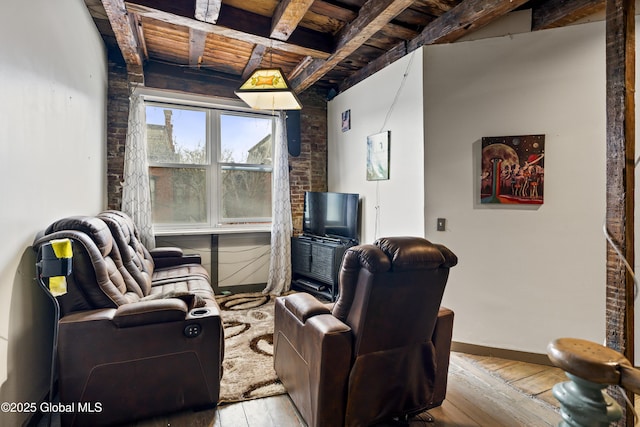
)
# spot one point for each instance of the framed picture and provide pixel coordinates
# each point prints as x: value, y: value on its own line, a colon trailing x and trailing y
x: 378, y: 156
x: 512, y: 170
x: 346, y: 120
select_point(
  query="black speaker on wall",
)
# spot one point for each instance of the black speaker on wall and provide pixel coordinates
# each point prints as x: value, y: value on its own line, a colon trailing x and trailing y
x: 293, y: 132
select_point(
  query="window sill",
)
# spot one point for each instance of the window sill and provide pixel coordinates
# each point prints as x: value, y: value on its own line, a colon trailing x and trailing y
x: 209, y: 231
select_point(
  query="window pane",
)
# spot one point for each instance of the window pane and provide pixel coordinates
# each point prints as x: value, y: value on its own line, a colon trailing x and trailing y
x: 178, y: 195
x: 245, y: 139
x: 246, y: 194
x: 176, y: 135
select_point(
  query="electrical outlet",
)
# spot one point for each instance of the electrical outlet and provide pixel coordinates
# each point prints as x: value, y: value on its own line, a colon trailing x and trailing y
x: 441, y: 225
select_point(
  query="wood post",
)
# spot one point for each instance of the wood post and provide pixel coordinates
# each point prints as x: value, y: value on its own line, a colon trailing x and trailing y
x: 620, y: 73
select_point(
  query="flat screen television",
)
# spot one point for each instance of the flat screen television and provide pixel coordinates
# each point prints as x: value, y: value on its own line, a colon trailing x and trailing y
x: 332, y: 215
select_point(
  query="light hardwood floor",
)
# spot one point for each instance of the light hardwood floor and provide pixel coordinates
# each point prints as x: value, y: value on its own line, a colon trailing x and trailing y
x: 487, y: 391
x: 482, y: 392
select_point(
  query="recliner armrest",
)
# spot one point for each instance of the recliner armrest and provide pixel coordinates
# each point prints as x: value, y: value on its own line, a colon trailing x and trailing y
x: 100, y: 314
x: 99, y: 362
x: 150, y: 312
x: 312, y: 356
x: 167, y: 251
x: 170, y: 256
x: 304, y: 306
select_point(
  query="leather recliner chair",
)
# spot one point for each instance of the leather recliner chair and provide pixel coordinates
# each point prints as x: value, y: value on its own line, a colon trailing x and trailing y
x: 135, y: 340
x: 382, y: 351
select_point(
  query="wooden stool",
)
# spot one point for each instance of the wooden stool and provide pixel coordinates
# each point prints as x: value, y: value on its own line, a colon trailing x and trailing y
x: 591, y: 367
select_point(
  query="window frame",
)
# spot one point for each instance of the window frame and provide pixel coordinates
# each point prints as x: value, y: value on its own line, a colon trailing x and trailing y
x: 213, y: 166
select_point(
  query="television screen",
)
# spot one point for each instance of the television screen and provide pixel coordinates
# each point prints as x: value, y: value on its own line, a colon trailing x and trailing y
x: 331, y: 215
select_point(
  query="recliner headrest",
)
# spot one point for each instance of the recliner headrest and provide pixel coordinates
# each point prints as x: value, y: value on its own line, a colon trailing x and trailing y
x: 415, y: 253
x: 367, y: 256
x: 118, y: 224
x: 94, y: 227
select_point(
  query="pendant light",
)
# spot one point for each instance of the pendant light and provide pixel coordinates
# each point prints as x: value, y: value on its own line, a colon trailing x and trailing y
x: 268, y: 89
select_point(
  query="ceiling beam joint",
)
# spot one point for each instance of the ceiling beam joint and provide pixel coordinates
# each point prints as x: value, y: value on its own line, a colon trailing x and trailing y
x: 208, y: 10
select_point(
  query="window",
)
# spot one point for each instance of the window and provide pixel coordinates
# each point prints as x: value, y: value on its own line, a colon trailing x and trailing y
x: 208, y: 167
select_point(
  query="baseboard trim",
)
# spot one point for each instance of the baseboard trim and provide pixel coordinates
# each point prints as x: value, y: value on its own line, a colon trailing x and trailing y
x: 520, y: 356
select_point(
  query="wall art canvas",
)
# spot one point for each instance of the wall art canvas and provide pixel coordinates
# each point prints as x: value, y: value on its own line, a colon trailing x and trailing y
x: 378, y: 156
x: 346, y: 120
x: 512, y: 170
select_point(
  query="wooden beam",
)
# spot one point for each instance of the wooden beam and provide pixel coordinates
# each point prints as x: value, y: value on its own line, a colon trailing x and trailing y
x: 620, y: 72
x: 558, y: 13
x: 208, y: 10
x: 373, y: 15
x: 140, y: 33
x: 190, y: 80
x: 197, y: 41
x: 240, y: 25
x: 467, y: 17
x: 254, y: 62
x: 300, y: 67
x: 450, y: 26
x: 287, y: 16
x: 126, y: 37
x: 389, y: 57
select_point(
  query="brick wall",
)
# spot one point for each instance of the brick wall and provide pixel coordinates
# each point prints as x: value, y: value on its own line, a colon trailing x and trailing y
x: 308, y: 170
x: 117, y: 117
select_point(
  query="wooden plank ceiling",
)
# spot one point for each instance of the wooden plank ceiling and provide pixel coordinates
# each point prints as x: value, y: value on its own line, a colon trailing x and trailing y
x: 329, y: 44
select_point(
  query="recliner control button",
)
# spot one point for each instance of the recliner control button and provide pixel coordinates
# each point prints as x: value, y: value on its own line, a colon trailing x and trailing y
x: 192, y: 330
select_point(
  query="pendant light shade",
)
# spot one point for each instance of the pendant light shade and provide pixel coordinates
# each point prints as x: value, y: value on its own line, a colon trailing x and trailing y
x: 268, y: 89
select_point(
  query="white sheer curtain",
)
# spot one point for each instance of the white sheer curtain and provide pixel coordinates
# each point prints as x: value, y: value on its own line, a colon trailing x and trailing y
x: 281, y: 226
x: 136, y: 195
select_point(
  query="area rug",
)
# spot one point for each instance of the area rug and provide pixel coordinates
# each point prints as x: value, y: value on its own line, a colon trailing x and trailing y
x: 248, y: 355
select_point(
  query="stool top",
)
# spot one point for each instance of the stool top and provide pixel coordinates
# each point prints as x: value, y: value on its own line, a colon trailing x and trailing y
x: 587, y: 360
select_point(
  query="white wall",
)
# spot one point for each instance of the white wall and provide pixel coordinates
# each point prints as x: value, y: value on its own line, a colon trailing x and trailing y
x: 526, y: 275
x: 52, y: 164
x: 400, y: 199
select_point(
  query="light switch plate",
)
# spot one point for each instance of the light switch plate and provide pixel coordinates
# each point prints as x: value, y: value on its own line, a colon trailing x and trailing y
x: 441, y: 224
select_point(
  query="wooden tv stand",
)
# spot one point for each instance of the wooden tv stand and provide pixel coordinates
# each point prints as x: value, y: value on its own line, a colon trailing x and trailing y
x: 315, y: 262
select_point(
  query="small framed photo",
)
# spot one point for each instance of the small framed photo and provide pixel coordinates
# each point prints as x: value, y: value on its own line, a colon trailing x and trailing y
x: 378, y: 156
x: 346, y: 120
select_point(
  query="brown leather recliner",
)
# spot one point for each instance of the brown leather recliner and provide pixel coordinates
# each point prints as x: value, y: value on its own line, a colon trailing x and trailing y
x: 134, y: 340
x: 382, y: 350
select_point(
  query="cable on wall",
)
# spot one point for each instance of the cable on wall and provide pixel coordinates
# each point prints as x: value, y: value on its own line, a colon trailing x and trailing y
x: 263, y: 257
x: 377, y: 208
x: 384, y: 124
x: 630, y: 405
x: 395, y: 99
x: 623, y: 258
x: 249, y: 249
x: 619, y: 252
